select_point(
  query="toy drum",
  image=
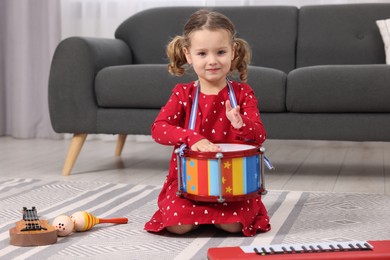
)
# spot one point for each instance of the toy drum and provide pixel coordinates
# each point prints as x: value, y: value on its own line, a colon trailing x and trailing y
x: 234, y: 174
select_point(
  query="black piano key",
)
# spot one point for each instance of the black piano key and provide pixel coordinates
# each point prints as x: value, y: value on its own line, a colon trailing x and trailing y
x: 284, y: 249
x: 257, y: 251
x: 367, y: 245
x: 320, y: 247
x: 272, y: 250
x: 312, y: 248
x: 340, y: 246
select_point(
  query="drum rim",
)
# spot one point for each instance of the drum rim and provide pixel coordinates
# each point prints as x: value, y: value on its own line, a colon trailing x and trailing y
x: 232, y: 154
x: 227, y: 198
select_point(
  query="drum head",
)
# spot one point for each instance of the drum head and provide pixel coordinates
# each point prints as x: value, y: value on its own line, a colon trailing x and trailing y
x: 235, y: 147
x: 229, y: 150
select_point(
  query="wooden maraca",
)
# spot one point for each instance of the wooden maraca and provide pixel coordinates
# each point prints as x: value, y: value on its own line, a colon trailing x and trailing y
x: 84, y: 221
x: 64, y: 225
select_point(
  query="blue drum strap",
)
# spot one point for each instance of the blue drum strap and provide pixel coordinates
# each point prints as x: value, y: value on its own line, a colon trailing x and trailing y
x: 232, y: 96
x: 194, y: 110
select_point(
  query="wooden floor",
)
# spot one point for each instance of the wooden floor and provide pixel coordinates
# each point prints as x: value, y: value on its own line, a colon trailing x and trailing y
x: 334, y: 166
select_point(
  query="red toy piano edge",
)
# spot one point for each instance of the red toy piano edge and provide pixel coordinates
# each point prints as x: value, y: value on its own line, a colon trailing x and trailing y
x: 381, y: 250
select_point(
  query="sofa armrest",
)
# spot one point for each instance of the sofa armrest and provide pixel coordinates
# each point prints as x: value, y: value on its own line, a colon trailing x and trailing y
x: 76, y: 61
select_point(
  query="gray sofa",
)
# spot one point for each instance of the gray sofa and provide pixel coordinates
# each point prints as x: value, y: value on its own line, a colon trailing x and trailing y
x: 318, y: 71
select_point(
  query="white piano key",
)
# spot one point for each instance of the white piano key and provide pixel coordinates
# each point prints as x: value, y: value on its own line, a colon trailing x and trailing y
x: 309, y: 247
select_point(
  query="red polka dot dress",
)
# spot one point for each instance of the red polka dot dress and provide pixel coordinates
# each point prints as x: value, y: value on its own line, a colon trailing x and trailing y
x: 170, y: 128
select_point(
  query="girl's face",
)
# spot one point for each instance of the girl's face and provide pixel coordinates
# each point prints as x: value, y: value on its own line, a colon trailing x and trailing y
x: 211, y: 55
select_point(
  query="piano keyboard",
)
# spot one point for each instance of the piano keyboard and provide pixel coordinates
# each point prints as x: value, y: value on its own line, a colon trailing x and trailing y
x: 308, y: 248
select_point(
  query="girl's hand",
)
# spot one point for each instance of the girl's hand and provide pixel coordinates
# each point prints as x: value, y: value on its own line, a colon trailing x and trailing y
x: 233, y: 114
x: 205, y: 145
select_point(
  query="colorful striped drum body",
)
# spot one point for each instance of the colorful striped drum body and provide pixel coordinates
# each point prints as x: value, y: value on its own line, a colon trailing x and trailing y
x: 240, y: 172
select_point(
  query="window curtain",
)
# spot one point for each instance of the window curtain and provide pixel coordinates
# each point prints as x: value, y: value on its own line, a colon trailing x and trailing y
x: 29, y: 33
x: 31, y: 29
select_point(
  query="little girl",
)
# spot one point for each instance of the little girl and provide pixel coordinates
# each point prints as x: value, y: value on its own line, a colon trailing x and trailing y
x: 210, y: 46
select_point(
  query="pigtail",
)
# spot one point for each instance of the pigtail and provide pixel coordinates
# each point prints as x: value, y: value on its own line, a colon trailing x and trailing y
x: 242, y: 57
x: 177, y: 58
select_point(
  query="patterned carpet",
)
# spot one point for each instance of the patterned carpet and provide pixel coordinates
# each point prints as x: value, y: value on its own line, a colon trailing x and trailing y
x: 296, y: 217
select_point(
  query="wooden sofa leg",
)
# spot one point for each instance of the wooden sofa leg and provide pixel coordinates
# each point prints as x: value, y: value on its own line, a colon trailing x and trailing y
x: 120, y: 144
x: 74, y: 150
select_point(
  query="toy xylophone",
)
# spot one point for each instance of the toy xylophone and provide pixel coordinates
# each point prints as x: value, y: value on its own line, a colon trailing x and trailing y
x: 359, y: 250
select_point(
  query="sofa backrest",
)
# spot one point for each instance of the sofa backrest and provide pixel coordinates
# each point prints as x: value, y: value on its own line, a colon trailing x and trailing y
x: 340, y: 34
x: 270, y: 30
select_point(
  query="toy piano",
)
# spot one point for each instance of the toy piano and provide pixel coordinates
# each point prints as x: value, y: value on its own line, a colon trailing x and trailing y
x: 356, y: 250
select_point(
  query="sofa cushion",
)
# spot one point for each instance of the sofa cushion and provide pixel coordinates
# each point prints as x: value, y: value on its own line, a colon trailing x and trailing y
x: 269, y: 86
x: 340, y: 34
x: 339, y: 89
x: 135, y: 86
x: 149, y: 86
x: 270, y: 31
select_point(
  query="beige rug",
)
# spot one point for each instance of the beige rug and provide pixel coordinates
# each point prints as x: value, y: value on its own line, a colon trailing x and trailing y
x: 296, y: 217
